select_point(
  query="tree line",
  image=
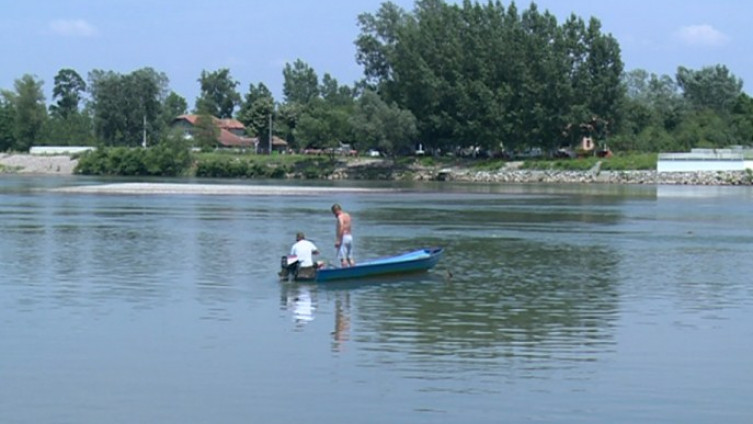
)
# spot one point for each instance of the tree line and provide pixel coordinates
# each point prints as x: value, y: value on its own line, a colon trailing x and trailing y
x: 447, y: 76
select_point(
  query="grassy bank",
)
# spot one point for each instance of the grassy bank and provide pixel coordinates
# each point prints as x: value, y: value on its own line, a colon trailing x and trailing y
x: 624, y: 162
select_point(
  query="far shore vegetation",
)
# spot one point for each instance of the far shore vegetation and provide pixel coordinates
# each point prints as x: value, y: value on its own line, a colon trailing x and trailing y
x: 160, y: 161
x: 476, y: 84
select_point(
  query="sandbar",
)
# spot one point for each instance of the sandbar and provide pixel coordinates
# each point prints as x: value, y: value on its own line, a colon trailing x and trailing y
x: 215, y: 189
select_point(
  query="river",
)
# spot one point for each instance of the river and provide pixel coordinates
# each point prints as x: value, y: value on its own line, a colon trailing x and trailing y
x: 555, y: 304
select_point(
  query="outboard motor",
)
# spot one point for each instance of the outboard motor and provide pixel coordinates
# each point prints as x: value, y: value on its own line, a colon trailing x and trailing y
x: 288, y: 266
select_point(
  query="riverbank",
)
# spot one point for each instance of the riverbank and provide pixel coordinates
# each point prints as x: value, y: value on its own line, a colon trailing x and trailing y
x: 511, y: 173
x: 375, y: 169
x: 37, y: 164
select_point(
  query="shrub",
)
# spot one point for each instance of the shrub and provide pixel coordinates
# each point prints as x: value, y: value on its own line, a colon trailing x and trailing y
x: 161, y: 160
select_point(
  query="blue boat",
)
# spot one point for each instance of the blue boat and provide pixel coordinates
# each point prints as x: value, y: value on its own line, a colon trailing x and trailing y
x: 414, y: 261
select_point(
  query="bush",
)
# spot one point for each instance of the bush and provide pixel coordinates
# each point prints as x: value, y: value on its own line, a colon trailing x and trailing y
x: 161, y: 160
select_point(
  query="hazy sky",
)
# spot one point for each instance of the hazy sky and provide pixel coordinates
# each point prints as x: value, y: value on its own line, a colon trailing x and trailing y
x: 254, y: 39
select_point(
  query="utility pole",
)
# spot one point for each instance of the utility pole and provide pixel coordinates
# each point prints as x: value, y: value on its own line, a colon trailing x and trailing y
x: 143, y: 138
x: 270, y: 133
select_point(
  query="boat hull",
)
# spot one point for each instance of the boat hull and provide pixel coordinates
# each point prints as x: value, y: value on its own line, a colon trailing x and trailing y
x: 409, y: 262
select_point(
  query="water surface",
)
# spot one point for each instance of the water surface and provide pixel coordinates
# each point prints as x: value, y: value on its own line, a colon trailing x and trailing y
x: 557, y: 304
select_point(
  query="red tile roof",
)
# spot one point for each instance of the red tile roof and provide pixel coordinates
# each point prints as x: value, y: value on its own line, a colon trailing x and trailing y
x: 230, y: 124
x: 226, y: 138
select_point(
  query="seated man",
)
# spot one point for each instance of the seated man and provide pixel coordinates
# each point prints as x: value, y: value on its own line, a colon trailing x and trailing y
x: 304, y: 250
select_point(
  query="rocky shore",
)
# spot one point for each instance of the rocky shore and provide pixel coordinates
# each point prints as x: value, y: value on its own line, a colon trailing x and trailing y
x: 512, y: 174
x: 383, y: 170
x: 602, y: 177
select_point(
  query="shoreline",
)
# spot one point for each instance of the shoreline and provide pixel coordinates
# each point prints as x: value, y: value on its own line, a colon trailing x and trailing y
x: 27, y: 164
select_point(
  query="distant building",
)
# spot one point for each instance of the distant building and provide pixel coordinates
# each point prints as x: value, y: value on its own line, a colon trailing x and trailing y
x: 278, y: 145
x: 734, y: 159
x: 232, y: 133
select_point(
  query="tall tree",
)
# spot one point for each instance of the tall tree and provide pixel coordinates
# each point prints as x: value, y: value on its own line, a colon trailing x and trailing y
x: 323, y: 125
x: 7, y: 121
x: 301, y: 84
x: 385, y: 127
x: 125, y: 106
x: 173, y: 106
x: 479, y: 75
x: 335, y: 94
x: 377, y: 41
x: 712, y: 87
x: 218, y: 96
x: 68, y: 124
x: 30, y: 112
x: 257, y: 112
x: 68, y: 90
x: 205, y: 133
x: 742, y: 119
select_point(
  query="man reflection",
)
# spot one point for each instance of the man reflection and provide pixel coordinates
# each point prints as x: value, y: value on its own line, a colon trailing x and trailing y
x: 299, y: 299
x: 342, y: 322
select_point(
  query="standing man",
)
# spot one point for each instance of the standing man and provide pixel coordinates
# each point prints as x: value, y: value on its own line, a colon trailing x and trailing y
x: 343, y: 236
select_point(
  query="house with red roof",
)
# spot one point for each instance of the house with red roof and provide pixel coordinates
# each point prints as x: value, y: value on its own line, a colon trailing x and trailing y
x: 232, y: 133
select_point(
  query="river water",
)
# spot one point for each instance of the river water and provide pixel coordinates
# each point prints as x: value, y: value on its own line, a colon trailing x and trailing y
x: 552, y: 304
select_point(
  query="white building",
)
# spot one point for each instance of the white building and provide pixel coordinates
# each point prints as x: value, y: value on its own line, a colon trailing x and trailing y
x: 734, y: 159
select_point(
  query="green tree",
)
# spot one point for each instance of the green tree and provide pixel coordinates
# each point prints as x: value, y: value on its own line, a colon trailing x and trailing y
x: 124, y: 106
x: 205, y: 133
x: 173, y: 106
x: 68, y: 125
x: 334, y: 94
x: 7, y: 121
x: 385, y: 127
x: 30, y: 112
x: 653, y: 108
x: 742, y: 119
x: 218, y: 96
x: 378, y: 40
x: 300, y: 84
x: 712, y: 87
x: 286, y: 122
x: 322, y: 125
x: 481, y: 75
x: 257, y: 112
x: 68, y: 90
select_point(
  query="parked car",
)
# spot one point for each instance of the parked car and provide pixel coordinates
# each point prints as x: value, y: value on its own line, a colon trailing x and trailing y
x: 373, y: 153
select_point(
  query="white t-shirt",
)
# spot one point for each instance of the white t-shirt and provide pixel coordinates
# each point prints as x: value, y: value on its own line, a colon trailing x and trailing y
x: 304, y: 250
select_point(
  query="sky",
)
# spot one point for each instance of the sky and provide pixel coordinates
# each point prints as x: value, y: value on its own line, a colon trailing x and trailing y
x: 254, y: 39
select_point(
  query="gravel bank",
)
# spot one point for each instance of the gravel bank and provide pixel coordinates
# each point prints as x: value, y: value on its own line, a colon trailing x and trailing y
x: 214, y: 189
x: 36, y: 164
x: 602, y: 177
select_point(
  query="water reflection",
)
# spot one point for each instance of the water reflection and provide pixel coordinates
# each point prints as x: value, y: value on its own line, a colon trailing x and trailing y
x: 302, y: 300
x: 341, y: 334
x: 503, y: 304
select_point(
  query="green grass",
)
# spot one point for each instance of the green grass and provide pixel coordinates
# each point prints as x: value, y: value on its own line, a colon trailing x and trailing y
x: 273, y: 159
x: 631, y: 162
x: 618, y: 162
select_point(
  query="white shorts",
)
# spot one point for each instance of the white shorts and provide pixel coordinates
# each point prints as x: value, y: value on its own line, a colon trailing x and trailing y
x: 346, y: 248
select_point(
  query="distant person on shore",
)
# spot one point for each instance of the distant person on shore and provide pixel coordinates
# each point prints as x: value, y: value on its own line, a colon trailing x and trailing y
x: 343, y: 236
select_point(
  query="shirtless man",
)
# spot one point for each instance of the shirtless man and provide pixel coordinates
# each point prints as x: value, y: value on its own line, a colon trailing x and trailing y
x: 343, y: 236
